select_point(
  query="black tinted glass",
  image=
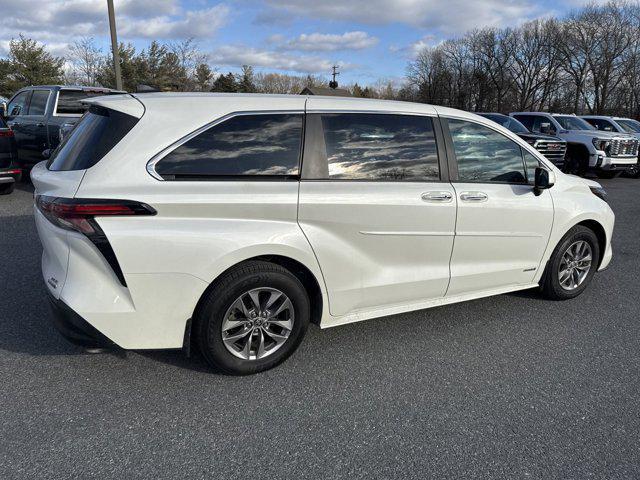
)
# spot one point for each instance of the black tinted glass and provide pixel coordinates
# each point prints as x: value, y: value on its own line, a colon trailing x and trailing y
x: 264, y: 145
x: 18, y: 106
x: 380, y: 147
x: 526, y: 120
x: 38, y: 104
x: 507, y: 122
x: 484, y: 155
x: 69, y: 101
x: 92, y: 138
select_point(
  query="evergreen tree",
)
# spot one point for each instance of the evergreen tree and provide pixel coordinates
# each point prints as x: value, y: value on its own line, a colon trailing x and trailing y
x: 225, y: 83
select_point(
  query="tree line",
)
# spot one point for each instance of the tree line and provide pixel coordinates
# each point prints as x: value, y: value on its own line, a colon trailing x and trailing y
x: 587, y: 62
x: 176, y: 66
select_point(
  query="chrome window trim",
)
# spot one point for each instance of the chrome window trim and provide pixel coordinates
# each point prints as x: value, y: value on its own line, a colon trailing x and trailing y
x: 55, y: 106
x: 372, y: 112
x: 151, y: 164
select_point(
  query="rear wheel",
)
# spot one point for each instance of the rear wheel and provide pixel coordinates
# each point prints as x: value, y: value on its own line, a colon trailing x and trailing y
x: 572, y: 264
x: 253, y: 319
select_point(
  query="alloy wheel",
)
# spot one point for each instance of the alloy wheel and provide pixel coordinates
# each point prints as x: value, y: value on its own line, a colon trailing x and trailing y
x: 575, y: 265
x: 257, y: 323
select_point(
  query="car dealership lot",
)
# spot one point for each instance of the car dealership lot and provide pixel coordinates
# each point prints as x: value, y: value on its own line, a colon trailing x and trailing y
x: 508, y: 386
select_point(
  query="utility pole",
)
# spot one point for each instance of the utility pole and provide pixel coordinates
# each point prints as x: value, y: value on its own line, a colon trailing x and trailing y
x: 333, y: 83
x: 114, y: 44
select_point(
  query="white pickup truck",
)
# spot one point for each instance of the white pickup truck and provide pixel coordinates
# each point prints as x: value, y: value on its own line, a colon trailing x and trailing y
x: 607, y: 153
x: 619, y: 125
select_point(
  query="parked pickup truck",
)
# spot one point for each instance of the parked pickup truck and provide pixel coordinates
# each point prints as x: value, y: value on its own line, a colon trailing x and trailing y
x: 553, y: 148
x: 619, y: 125
x: 607, y: 153
x: 37, y: 115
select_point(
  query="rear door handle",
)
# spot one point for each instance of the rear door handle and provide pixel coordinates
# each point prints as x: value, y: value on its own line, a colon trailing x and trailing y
x: 443, y: 197
x: 473, y: 197
x: 39, y: 124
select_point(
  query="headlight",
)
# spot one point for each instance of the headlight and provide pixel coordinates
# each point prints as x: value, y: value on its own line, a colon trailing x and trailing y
x: 600, y: 144
x: 599, y: 192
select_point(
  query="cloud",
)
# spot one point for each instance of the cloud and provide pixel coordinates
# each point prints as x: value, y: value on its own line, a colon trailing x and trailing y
x: 195, y: 23
x: 446, y: 16
x: 63, y: 21
x: 237, y: 55
x: 412, y: 50
x: 324, y: 42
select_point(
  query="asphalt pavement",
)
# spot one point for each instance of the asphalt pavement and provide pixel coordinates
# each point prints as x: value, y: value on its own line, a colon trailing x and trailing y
x: 511, y: 386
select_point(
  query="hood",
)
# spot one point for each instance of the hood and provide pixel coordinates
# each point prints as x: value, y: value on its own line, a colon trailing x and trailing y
x: 539, y: 136
x: 601, y: 134
x: 582, y: 181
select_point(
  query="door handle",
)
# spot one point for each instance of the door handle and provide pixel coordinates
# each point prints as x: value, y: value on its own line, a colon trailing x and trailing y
x: 39, y: 124
x: 473, y: 197
x: 436, y: 197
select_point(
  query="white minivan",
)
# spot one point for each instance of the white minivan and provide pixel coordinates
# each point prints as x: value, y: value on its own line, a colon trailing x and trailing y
x: 231, y: 222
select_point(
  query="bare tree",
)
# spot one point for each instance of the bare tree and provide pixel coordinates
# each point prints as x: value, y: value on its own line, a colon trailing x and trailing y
x: 86, y: 60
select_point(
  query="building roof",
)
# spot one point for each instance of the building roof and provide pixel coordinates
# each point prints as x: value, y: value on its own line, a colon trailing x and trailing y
x: 326, y: 91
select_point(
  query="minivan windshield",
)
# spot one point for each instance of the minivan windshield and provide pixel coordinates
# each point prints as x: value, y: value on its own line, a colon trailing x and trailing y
x: 569, y: 122
x: 97, y: 132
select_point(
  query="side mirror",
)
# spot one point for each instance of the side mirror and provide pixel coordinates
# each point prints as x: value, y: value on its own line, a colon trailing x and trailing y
x: 3, y: 109
x: 546, y: 128
x: 543, y: 180
x: 47, y: 153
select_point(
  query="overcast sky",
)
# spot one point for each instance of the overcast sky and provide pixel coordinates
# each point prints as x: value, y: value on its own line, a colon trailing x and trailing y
x: 370, y: 39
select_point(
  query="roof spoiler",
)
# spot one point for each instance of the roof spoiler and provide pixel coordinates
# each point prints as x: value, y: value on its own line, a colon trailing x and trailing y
x: 125, y: 103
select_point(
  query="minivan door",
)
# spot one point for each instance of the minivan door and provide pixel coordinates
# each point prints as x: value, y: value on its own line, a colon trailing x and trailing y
x: 376, y: 206
x: 502, y: 226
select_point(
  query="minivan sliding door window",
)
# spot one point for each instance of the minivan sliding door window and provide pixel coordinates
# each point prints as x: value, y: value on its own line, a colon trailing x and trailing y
x: 370, y: 147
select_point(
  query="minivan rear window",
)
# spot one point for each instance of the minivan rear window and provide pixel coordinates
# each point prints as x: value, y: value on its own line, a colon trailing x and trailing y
x: 99, y: 130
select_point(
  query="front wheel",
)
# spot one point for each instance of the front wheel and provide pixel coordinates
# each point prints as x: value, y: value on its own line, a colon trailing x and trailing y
x: 572, y: 264
x: 632, y: 172
x: 253, y: 318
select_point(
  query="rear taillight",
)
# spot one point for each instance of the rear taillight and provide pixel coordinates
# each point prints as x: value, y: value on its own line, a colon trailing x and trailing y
x: 6, y: 133
x: 78, y: 214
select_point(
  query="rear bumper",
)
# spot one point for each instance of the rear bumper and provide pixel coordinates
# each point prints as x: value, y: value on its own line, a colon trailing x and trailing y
x: 10, y: 175
x: 75, y: 328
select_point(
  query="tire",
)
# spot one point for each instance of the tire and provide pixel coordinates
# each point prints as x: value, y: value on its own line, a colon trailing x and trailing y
x: 551, y: 286
x: 607, y: 174
x: 632, y: 172
x: 221, y: 302
x: 575, y: 163
x: 7, y: 189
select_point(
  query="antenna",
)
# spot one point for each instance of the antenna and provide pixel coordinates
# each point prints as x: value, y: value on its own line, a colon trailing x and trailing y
x: 333, y: 83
